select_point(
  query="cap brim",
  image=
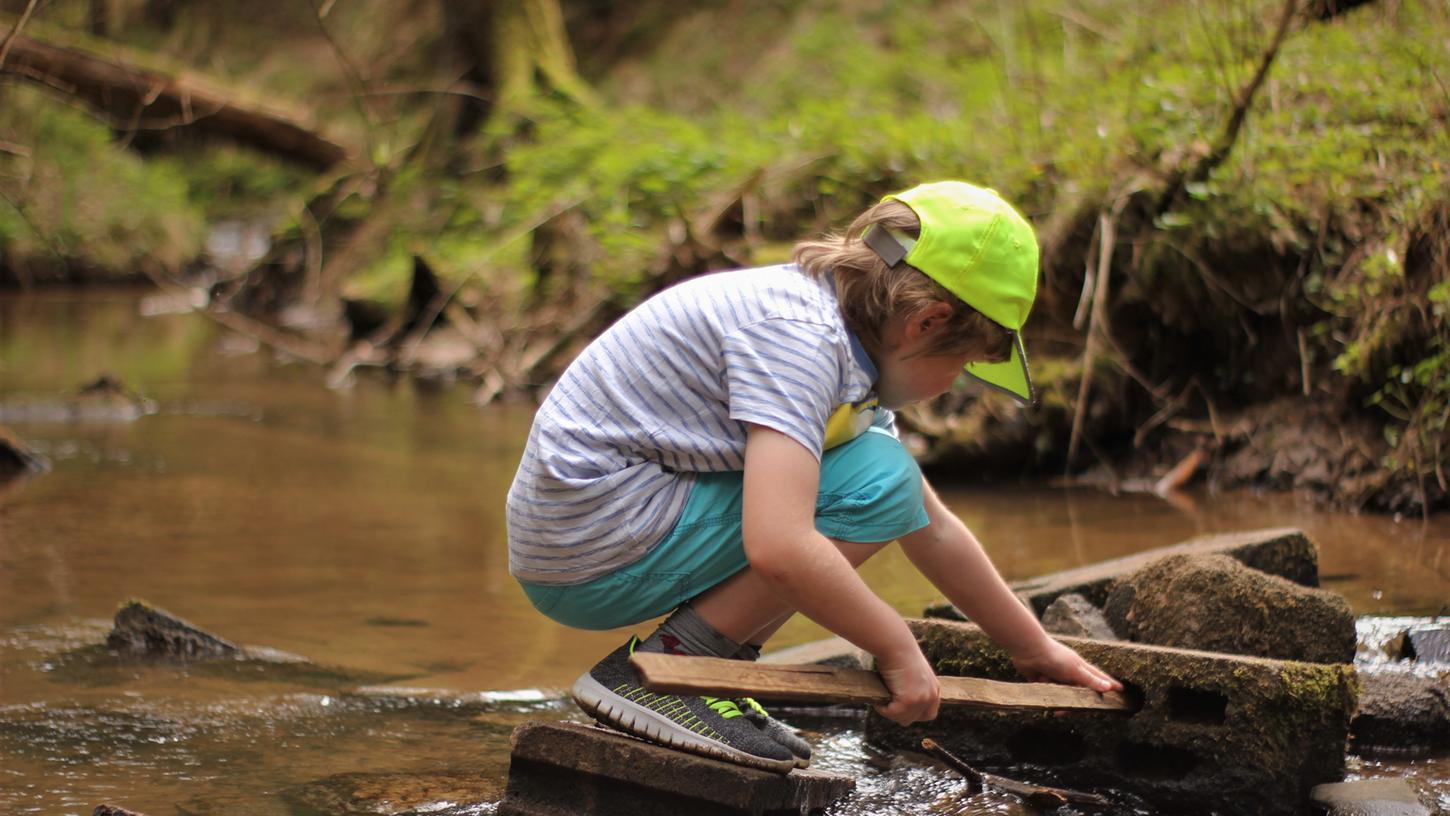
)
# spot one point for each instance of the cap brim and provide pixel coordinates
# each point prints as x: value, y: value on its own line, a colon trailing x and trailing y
x: 1010, y: 377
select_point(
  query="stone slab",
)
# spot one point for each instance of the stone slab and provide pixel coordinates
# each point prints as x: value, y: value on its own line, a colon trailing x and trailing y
x: 1285, y: 552
x: 832, y: 651
x: 1215, y: 732
x: 1369, y: 797
x: 563, y: 769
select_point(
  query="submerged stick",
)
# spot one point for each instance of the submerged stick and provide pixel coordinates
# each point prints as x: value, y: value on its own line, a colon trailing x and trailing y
x: 1036, y: 795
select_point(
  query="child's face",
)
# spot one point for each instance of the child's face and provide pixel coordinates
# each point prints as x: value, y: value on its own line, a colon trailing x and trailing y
x: 913, y: 378
x: 907, y: 372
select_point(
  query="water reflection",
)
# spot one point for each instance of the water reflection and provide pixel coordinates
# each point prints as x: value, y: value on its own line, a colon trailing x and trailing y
x: 362, y: 528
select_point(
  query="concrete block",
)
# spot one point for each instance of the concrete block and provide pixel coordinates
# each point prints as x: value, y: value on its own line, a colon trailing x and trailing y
x: 1285, y: 552
x: 1215, y: 603
x: 564, y: 769
x: 1215, y: 732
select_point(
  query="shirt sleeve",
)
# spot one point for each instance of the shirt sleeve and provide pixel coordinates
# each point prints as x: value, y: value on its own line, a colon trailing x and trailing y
x: 783, y: 374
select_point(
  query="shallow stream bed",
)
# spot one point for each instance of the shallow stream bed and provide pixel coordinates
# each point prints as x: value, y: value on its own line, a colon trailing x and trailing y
x: 362, y: 528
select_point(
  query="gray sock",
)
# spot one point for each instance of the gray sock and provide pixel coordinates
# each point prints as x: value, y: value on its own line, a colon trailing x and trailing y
x: 747, y: 651
x: 685, y: 632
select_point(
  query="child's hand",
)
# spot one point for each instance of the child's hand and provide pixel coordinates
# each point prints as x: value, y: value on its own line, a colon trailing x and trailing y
x: 1055, y: 663
x: 915, y: 692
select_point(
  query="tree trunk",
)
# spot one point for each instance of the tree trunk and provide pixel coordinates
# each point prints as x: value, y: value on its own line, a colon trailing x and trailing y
x: 514, y: 49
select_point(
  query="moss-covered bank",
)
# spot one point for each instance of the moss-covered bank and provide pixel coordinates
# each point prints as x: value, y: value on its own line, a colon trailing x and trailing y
x: 1201, y: 273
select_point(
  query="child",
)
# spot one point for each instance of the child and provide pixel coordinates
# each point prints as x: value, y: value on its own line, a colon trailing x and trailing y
x: 727, y: 450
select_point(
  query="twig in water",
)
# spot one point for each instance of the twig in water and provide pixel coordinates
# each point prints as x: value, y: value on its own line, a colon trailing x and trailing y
x: 1036, y: 795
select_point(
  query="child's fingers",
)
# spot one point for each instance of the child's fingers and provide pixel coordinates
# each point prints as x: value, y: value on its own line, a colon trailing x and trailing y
x: 902, y: 712
x: 1095, y: 678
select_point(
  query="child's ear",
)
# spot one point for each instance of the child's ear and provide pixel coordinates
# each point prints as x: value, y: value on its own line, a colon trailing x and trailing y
x: 932, y: 317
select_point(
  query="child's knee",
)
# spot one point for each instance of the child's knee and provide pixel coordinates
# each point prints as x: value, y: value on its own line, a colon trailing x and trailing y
x: 870, y: 491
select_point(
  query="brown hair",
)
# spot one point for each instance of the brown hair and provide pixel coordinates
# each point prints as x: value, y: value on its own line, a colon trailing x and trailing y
x: 871, y: 292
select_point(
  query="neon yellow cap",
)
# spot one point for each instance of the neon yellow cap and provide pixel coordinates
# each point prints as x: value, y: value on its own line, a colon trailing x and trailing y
x: 983, y: 251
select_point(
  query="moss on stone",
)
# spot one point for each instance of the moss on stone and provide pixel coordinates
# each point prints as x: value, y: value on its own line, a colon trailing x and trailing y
x: 1236, y: 734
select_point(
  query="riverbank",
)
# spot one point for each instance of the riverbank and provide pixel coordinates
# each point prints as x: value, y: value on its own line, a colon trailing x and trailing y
x: 1242, y: 210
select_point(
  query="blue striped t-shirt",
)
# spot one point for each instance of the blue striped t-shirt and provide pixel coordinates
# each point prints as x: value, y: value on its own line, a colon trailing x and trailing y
x: 665, y: 393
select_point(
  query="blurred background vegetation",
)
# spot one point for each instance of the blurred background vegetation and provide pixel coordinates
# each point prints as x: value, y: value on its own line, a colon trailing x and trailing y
x: 1242, y: 203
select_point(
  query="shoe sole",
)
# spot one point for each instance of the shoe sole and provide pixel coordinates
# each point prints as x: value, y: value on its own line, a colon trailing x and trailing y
x: 607, y: 707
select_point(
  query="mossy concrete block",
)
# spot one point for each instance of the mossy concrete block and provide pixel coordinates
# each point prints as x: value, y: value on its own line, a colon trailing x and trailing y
x: 563, y: 769
x: 1074, y: 615
x: 1285, y: 552
x: 1215, y: 732
x: 1369, y: 797
x: 1402, y: 714
x: 1215, y: 603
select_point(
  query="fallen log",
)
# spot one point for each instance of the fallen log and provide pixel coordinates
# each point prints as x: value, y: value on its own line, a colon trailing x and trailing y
x: 834, y: 684
x: 140, y: 98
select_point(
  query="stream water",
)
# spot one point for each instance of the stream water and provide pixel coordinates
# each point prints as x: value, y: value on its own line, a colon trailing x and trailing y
x: 363, y: 529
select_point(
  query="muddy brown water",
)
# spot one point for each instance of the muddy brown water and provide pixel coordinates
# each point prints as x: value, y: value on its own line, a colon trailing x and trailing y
x: 363, y: 528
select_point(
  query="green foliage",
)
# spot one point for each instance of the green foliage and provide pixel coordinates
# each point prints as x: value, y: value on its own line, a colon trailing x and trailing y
x: 1056, y: 104
x: 70, y: 195
x: 224, y: 180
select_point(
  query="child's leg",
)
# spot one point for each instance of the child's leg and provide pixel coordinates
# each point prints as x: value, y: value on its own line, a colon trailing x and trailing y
x: 870, y: 493
x: 745, y: 609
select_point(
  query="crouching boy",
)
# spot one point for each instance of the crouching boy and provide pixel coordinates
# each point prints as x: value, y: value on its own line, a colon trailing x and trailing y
x: 727, y: 451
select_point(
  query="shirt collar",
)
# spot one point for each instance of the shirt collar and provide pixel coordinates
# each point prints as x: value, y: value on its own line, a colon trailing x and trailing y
x: 862, y: 358
x: 828, y: 282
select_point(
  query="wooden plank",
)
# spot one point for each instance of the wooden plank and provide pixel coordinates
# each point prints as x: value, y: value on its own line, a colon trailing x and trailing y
x: 831, y: 684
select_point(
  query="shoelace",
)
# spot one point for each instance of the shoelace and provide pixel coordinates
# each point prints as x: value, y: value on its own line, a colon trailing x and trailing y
x: 727, y: 709
x: 752, y: 709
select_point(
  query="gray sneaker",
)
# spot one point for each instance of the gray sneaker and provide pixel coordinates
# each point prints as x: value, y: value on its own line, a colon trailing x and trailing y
x: 776, y: 730
x: 710, y: 726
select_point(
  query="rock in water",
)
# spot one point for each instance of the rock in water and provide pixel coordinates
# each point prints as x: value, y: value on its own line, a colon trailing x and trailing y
x: 17, y: 458
x: 1074, y: 615
x: 1369, y: 797
x: 1429, y: 643
x: 143, y: 630
x: 1284, y: 552
x: 1402, y: 714
x: 1215, y: 603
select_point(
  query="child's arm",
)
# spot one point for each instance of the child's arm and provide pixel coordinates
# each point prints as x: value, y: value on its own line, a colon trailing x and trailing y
x: 950, y: 557
x: 813, y: 577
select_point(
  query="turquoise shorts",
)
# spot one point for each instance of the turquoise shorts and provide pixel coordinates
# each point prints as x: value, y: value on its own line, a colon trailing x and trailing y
x: 870, y: 492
